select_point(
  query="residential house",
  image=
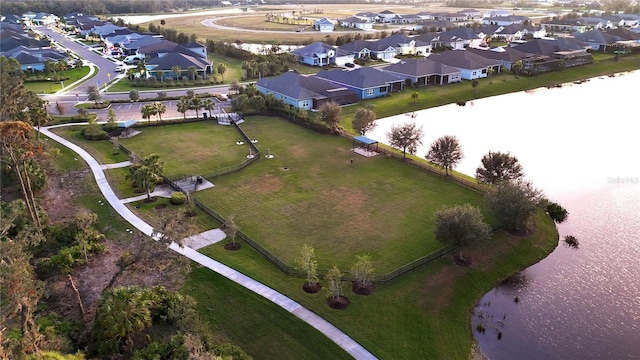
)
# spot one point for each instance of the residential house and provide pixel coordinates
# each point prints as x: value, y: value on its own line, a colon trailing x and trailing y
x: 355, y: 22
x: 30, y: 52
x: 366, y: 82
x: 44, y: 19
x: 372, y: 49
x: 368, y: 16
x: 471, y: 65
x: 11, y: 19
x: 420, y: 72
x: 431, y: 38
x: 595, y: 23
x: 323, y: 25
x: 519, y: 32
x: 505, y: 20
x: 405, y: 45
x: 197, y: 48
x: 315, y: 54
x: 565, y: 25
x: 462, y: 37
x: 305, y: 91
x: 435, y: 25
x: 552, y: 54
x: 628, y: 20
x: 507, y: 56
x: 386, y: 16
x: 599, y: 40
x: 496, y: 13
x: 471, y: 14
x: 168, y: 61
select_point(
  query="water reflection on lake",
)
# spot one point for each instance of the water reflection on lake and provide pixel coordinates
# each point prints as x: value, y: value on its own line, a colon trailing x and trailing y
x: 579, y: 144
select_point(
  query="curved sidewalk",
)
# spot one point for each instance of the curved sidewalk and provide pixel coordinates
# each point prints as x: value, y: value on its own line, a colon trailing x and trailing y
x: 341, y: 339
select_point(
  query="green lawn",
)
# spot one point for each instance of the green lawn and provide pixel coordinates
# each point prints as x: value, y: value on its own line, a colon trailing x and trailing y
x: 49, y: 87
x: 422, y: 315
x: 378, y: 206
x: 189, y: 149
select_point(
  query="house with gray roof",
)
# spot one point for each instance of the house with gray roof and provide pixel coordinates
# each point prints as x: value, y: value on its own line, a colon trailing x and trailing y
x: 505, y: 20
x: 324, y: 25
x: 471, y: 65
x: 315, y: 54
x: 506, y: 55
x: 424, y: 71
x: 167, y: 62
x: 547, y: 55
x: 355, y: 22
x: 519, y: 32
x: 461, y: 37
x: 366, y: 82
x: 305, y: 91
x: 404, y: 45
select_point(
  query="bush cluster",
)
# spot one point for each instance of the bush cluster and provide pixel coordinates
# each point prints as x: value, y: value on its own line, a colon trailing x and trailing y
x: 94, y: 132
x: 178, y: 198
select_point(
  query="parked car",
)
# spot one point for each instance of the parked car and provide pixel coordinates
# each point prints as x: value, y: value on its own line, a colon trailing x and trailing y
x: 349, y: 65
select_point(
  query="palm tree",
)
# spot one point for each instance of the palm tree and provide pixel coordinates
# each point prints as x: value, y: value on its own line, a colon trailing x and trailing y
x: 196, y: 104
x: 160, y: 74
x: 193, y: 72
x: 209, y: 105
x: 176, y: 71
x: 221, y: 69
x: 147, y: 111
x: 147, y: 173
x: 122, y: 313
x: 183, y: 106
x: 160, y: 108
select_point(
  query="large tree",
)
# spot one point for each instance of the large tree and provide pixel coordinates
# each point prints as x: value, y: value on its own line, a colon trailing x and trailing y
x: 459, y: 226
x: 446, y: 152
x: 330, y: 113
x: 514, y: 203
x: 363, y: 121
x: 12, y: 89
x: 93, y: 94
x: 498, y: 167
x: 406, y: 137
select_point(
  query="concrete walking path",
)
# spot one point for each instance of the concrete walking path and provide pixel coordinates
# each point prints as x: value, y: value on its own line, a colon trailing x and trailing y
x: 341, y: 339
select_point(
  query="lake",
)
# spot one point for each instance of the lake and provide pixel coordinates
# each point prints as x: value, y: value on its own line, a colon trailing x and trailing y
x: 580, y: 145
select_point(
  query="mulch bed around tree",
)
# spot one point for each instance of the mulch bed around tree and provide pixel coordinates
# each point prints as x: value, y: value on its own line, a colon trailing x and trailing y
x: 311, y: 289
x: 338, y: 303
x: 232, y: 246
x: 190, y: 213
x: 366, y: 290
x: 150, y: 200
x: 160, y: 207
x: 462, y: 261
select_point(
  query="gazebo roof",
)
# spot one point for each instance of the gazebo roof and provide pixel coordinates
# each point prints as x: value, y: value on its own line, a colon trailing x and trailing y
x: 127, y: 124
x: 365, y: 140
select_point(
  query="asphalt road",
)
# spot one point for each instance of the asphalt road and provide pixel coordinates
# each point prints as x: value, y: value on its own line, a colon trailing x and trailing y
x: 106, y: 70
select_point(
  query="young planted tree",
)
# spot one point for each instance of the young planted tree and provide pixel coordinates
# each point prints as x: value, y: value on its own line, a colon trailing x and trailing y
x: 221, y: 68
x: 334, y: 278
x: 517, y: 68
x: 498, y: 167
x: 363, y: 121
x: 362, y: 272
x: 308, y: 264
x: 514, y: 203
x: 134, y: 95
x: 406, y: 137
x: 415, y: 97
x: 231, y: 229
x: 460, y: 226
x: 330, y: 114
x: 446, y: 152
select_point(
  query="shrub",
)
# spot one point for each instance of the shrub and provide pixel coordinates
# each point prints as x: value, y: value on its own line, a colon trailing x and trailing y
x: 178, y: 198
x: 94, y: 132
x: 557, y: 212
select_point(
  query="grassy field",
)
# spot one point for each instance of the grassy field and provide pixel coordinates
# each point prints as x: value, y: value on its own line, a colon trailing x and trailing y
x: 189, y: 149
x: 422, y: 315
x: 310, y: 193
x: 49, y: 87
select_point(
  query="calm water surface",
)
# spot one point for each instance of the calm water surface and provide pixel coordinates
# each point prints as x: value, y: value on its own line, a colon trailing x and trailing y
x: 580, y: 144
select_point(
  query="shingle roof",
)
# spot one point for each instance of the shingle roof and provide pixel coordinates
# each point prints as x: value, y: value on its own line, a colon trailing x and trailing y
x: 313, y: 49
x: 548, y: 47
x: 362, y: 78
x: 421, y: 67
x: 168, y: 61
x: 505, y: 54
x: 298, y: 86
x: 464, y: 59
